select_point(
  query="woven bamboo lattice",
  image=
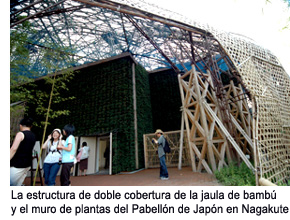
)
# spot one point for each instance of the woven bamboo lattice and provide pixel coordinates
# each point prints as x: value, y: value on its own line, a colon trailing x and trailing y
x: 270, y: 85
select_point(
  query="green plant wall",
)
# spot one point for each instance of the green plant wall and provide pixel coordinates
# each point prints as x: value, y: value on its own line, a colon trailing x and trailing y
x: 165, y: 100
x: 104, y: 102
x: 144, y: 110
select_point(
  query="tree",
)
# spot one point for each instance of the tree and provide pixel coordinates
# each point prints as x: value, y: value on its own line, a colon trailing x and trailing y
x: 28, y: 62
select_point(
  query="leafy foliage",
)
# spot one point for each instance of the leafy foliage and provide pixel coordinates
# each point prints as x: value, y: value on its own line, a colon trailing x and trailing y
x: 38, y: 95
x: 234, y: 175
x: 284, y: 183
x: 25, y: 56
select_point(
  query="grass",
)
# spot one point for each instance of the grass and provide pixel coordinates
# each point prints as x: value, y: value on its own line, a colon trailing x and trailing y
x: 285, y: 183
x: 235, y: 175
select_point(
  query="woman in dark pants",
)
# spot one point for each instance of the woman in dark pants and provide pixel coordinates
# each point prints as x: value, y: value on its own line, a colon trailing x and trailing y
x: 68, y: 154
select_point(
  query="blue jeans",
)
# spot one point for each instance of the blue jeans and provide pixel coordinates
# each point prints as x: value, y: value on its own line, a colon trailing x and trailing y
x: 163, y: 168
x: 50, y: 172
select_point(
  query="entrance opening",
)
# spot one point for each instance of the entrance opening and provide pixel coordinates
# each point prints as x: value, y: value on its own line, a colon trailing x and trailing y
x: 99, y: 154
x: 103, y: 155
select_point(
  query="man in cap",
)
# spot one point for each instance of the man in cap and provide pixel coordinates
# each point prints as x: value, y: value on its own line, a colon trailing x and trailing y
x: 161, y: 154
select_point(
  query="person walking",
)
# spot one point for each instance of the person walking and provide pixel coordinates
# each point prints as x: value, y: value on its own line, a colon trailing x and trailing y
x: 107, y: 157
x: 52, y: 161
x: 21, y: 152
x: 68, y: 154
x: 161, y: 154
x: 83, y: 160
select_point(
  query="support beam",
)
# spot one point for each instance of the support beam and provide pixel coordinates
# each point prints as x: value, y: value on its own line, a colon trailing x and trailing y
x: 181, y: 142
x: 34, y: 15
x: 208, y: 136
x: 229, y: 137
x: 152, y: 42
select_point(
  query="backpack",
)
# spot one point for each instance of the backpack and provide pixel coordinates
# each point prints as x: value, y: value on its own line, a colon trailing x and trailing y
x: 166, y: 147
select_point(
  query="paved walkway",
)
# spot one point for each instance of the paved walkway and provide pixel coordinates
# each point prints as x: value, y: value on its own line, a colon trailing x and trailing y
x: 147, y: 177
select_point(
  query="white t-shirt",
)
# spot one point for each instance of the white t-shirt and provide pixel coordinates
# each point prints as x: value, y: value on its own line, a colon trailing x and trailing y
x: 85, y: 153
x: 53, y: 155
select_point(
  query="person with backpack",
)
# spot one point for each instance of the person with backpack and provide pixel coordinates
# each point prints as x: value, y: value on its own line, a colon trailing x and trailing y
x: 162, y: 145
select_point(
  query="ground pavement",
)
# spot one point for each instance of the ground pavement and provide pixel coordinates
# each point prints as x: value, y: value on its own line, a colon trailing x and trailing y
x: 146, y: 177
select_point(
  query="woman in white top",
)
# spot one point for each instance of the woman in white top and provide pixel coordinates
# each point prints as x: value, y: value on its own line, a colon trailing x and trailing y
x: 52, y: 161
x: 84, y: 155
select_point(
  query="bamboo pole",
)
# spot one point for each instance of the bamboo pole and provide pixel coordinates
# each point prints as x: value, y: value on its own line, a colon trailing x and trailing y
x: 255, y: 138
x: 229, y: 137
x: 45, y: 126
x: 181, y: 142
x: 192, y: 155
x: 208, y: 143
x: 265, y: 182
x: 31, y: 16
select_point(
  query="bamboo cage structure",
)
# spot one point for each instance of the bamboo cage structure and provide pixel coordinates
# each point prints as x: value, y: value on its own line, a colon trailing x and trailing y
x: 209, y: 140
x: 235, y: 94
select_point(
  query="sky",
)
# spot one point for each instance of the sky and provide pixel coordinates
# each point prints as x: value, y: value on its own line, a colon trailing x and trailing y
x: 260, y: 20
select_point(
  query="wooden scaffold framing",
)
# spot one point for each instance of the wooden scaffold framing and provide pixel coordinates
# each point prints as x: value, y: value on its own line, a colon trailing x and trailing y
x: 210, y: 143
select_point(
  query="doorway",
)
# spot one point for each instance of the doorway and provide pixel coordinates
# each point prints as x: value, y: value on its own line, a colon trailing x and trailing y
x: 100, y: 157
x: 103, y: 155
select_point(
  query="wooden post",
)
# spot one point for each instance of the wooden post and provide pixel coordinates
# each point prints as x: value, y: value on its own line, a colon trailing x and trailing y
x: 111, y: 153
x: 204, y: 124
x: 255, y: 138
x: 192, y: 155
x: 145, y: 151
x: 229, y: 137
x: 98, y: 155
x: 207, y: 136
x: 181, y: 142
x: 135, y: 116
x: 77, y: 149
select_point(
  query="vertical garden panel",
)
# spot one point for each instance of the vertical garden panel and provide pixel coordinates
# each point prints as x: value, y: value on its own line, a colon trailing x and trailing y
x: 144, y: 110
x: 165, y: 100
x: 103, y: 102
